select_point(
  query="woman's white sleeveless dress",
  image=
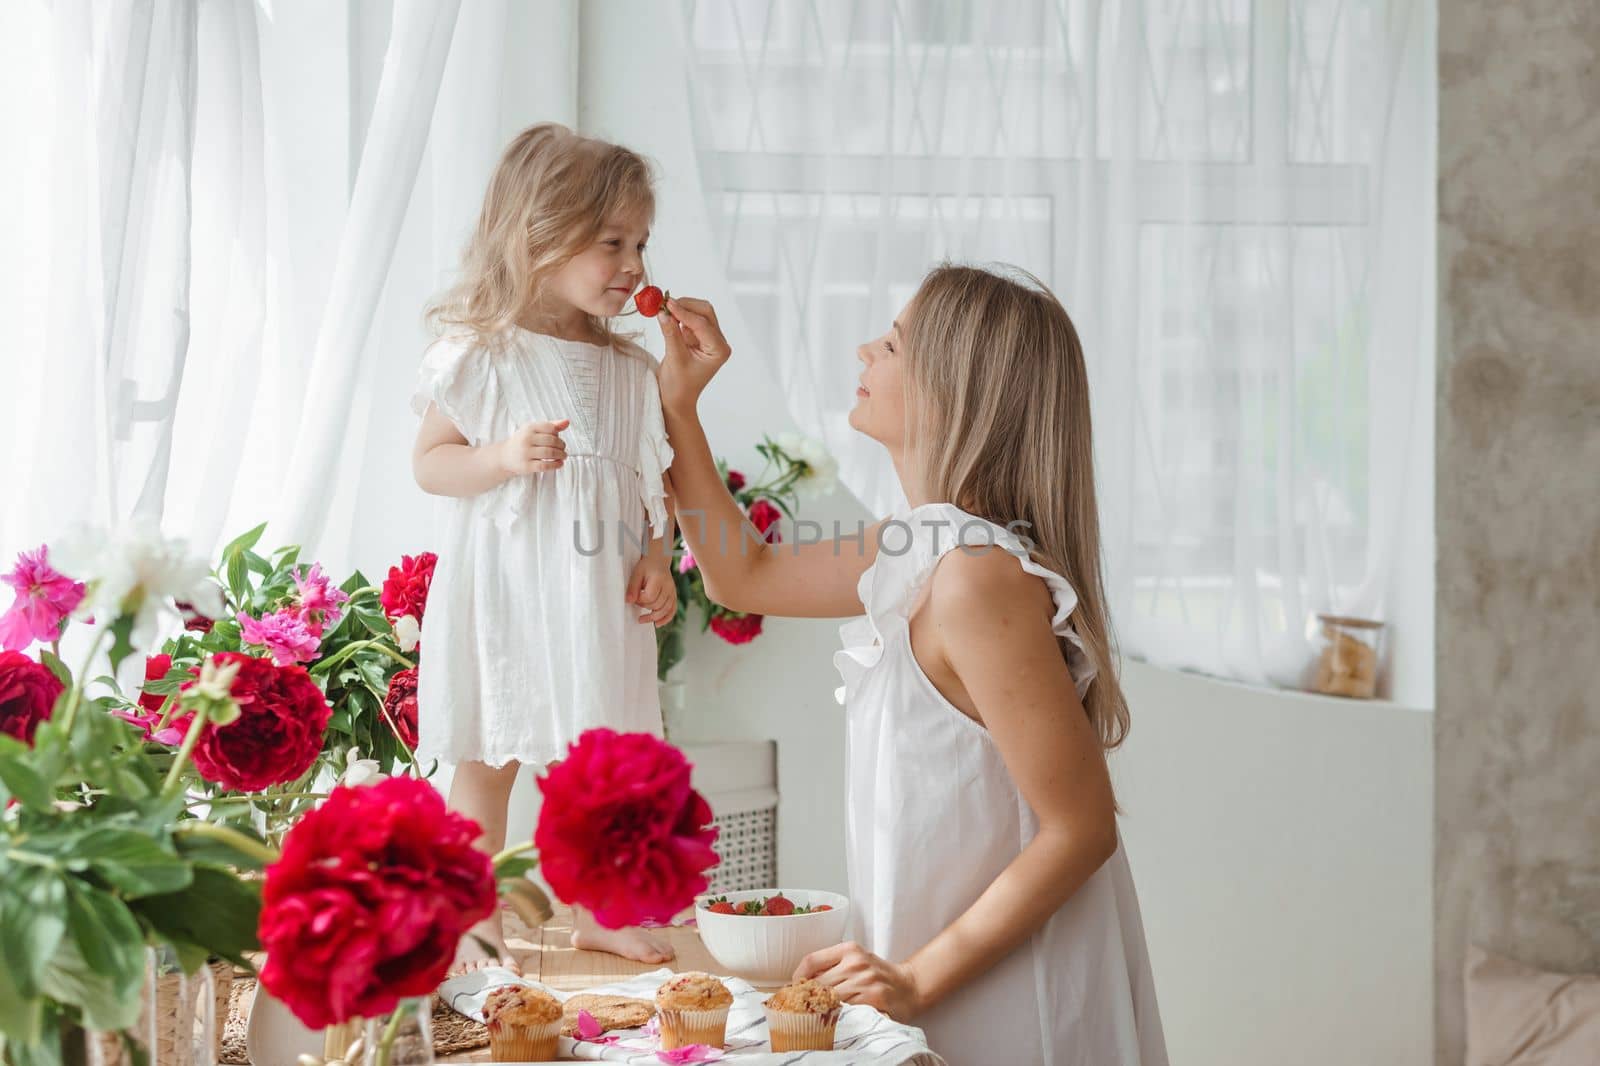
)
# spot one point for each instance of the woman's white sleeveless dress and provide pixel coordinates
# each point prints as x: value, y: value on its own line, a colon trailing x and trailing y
x: 934, y: 817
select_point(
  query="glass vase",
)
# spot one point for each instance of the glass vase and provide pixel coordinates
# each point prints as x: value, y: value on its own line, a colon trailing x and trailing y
x: 403, y: 1038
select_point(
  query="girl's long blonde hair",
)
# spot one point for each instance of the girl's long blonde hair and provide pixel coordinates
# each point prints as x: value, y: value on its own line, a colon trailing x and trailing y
x: 998, y: 406
x: 550, y: 195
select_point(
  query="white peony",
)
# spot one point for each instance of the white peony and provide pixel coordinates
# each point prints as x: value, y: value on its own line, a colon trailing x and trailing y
x: 136, y: 570
x: 407, y: 632
x: 359, y: 771
x: 822, y: 469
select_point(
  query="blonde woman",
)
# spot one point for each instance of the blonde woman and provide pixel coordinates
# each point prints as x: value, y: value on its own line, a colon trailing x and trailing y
x: 542, y: 428
x: 991, y: 897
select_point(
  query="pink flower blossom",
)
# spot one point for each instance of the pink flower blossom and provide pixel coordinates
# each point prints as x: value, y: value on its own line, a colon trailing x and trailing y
x: 689, y: 1053
x: 686, y: 563
x: 589, y: 1030
x: 283, y: 633
x: 147, y: 721
x: 45, y: 598
x: 321, y: 602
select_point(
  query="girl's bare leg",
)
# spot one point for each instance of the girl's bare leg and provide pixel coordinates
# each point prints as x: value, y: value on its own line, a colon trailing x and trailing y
x: 634, y: 943
x: 482, y: 793
x: 640, y: 945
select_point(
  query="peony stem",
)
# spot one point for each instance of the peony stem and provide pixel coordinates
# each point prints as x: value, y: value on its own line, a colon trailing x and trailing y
x: 220, y: 800
x: 75, y: 698
x: 168, y: 706
x: 394, y: 727
x: 348, y: 650
x: 512, y: 852
x: 231, y: 837
x: 174, y: 781
x: 390, y: 1032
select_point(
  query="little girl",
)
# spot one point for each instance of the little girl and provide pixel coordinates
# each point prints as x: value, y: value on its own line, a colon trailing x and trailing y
x: 544, y: 429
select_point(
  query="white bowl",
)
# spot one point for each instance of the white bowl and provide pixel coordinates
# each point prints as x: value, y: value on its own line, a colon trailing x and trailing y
x: 764, y: 948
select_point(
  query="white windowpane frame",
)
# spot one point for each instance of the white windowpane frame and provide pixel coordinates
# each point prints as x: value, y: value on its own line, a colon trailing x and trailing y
x: 1214, y: 188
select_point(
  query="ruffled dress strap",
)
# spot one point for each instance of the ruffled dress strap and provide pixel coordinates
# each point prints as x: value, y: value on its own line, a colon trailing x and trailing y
x: 455, y: 377
x: 655, y: 453
x: 910, y: 547
x: 458, y: 377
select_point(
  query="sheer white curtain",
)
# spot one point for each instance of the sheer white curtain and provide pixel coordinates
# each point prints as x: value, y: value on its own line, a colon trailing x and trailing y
x: 1234, y: 201
x: 223, y: 221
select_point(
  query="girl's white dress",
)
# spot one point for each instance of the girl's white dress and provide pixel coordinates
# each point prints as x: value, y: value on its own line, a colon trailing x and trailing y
x: 934, y: 817
x: 527, y: 639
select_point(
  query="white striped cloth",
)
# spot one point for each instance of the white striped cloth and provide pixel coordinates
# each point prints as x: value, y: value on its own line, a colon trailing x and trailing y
x: 864, y: 1035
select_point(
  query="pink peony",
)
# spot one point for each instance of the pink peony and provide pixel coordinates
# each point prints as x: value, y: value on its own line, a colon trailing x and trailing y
x: 621, y: 831
x: 283, y: 633
x: 320, y: 601
x: 45, y: 598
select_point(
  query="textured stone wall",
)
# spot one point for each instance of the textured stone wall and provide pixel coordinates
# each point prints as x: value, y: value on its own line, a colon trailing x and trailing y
x: 1517, y: 748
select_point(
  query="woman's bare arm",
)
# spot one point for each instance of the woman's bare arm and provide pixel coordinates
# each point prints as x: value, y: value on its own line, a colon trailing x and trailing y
x: 741, y: 572
x: 991, y: 625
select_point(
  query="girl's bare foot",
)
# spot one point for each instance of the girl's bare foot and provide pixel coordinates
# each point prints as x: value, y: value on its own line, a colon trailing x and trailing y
x: 484, y: 947
x: 634, y: 943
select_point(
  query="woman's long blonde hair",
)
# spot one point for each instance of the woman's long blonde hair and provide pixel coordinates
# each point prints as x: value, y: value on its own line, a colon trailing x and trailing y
x: 998, y: 406
x: 550, y: 195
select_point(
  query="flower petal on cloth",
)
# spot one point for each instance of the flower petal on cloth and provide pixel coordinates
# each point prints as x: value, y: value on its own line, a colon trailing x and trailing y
x: 690, y: 1053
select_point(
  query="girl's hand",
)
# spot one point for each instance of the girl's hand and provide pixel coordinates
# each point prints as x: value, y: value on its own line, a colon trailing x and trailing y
x: 856, y: 975
x: 533, y: 449
x: 696, y: 350
x: 650, y: 586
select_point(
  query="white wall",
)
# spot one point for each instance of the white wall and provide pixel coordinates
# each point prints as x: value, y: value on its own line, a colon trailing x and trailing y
x: 1282, y: 847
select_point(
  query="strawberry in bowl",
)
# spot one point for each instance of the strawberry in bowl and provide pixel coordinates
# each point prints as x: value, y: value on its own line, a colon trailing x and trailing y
x: 762, y: 935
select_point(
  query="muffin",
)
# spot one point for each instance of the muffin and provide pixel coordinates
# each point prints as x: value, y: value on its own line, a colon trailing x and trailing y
x: 802, y: 1016
x: 524, y: 1024
x: 693, y: 1009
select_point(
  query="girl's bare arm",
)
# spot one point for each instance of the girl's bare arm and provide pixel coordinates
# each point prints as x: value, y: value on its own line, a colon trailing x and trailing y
x: 444, y: 464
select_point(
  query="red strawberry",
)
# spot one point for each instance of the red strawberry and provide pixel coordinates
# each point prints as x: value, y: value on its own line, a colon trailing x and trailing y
x: 822, y: 907
x: 722, y: 906
x: 649, y: 300
x: 778, y: 906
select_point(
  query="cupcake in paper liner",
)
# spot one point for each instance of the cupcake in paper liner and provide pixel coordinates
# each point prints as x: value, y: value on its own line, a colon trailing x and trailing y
x: 692, y: 1008
x: 802, y: 1017
x: 524, y: 1024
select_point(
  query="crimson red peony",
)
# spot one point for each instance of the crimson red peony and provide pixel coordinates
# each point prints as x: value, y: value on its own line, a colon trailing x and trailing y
x: 155, y: 668
x: 405, y: 590
x: 736, y: 628
x: 371, y: 897
x: 621, y: 831
x: 278, y: 734
x: 765, y: 517
x: 400, y: 704
x: 28, y: 692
